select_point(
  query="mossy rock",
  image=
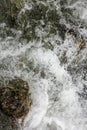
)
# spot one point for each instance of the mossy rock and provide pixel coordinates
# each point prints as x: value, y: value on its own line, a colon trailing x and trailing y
x: 8, y: 123
x: 9, y: 11
x: 15, y: 100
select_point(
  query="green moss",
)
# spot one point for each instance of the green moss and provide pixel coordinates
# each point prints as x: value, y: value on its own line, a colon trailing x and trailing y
x: 62, y: 30
x: 68, y: 14
x: 53, y: 17
x: 4, y: 32
x: 48, y: 45
x: 63, y: 2
x: 18, y: 3
x: 38, y: 12
x: 10, y: 10
x: 31, y: 19
x: 42, y: 74
x: 28, y: 34
x: 36, y: 70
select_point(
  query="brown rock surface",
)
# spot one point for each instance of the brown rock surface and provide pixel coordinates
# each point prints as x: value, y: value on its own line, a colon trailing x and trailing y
x: 15, y: 100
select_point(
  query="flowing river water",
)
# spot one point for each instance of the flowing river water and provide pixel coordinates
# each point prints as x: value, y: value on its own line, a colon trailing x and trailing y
x: 52, y: 63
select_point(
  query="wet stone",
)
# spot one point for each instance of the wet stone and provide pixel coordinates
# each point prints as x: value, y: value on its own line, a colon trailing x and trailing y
x: 7, y: 123
x: 15, y: 101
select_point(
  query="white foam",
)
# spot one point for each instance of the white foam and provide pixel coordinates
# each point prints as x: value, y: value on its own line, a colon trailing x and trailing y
x: 54, y: 98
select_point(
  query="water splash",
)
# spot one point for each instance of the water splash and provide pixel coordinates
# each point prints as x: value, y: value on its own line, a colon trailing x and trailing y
x: 46, y: 64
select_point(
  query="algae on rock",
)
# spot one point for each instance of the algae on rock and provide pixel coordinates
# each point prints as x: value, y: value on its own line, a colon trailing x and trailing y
x: 9, y: 11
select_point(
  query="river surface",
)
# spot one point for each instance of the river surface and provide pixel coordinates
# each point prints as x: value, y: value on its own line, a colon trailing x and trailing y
x: 54, y: 66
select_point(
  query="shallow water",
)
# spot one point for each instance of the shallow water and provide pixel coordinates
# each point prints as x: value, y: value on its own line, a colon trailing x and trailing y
x: 54, y: 68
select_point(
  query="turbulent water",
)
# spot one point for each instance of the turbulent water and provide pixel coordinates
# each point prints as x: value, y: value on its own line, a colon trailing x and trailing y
x: 53, y: 65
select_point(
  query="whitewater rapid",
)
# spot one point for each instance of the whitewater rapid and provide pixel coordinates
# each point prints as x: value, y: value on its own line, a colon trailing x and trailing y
x: 55, y: 85
x: 55, y: 104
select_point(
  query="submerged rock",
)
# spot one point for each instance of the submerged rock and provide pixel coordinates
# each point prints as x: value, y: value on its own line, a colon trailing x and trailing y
x: 15, y: 100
